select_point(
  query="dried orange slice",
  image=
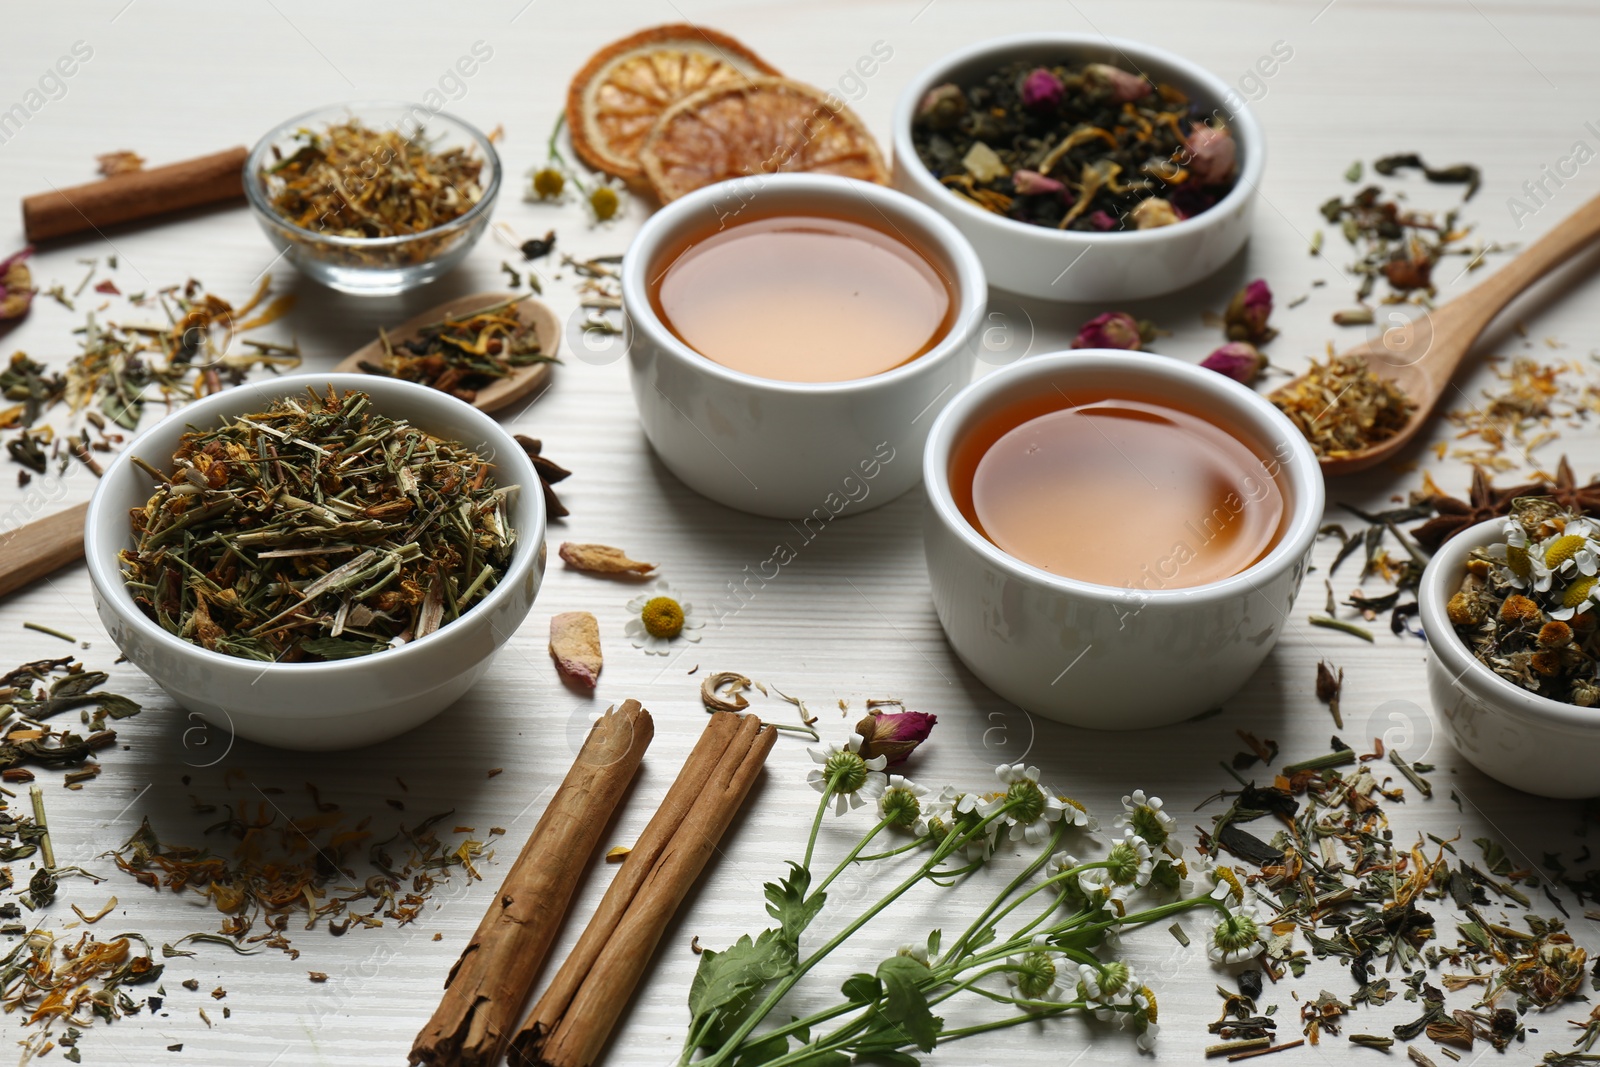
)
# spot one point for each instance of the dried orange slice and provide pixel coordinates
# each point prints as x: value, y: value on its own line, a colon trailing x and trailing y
x: 763, y: 125
x: 618, y: 95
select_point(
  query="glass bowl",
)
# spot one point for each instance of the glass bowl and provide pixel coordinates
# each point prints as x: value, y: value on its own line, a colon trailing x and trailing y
x: 375, y: 265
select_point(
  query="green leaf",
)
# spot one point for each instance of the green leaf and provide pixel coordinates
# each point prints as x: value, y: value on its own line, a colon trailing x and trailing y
x: 862, y: 988
x: 123, y: 414
x: 763, y: 1051
x: 824, y: 1059
x: 787, y: 903
x: 892, y: 1057
x: 341, y: 647
x: 726, y: 982
x: 905, y: 1004
x: 934, y: 938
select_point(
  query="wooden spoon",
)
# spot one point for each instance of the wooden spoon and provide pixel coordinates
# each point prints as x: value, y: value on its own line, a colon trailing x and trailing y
x: 41, y: 547
x: 502, y: 392
x: 1422, y: 357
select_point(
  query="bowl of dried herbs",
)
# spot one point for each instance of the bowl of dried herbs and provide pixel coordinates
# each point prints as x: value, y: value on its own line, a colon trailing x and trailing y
x: 373, y: 198
x: 1081, y: 167
x: 1511, y: 610
x: 317, y: 561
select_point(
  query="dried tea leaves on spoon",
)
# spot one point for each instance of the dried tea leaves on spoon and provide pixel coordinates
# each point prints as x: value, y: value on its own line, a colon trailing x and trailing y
x: 318, y: 529
x: 464, y: 353
x: 1342, y: 407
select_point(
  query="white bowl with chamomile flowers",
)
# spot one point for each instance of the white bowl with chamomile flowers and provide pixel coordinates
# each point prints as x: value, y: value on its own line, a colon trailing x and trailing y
x: 1513, y: 632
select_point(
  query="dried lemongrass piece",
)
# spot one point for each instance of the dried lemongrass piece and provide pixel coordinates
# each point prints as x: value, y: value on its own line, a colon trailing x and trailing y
x: 602, y: 559
x: 575, y: 646
x: 731, y: 700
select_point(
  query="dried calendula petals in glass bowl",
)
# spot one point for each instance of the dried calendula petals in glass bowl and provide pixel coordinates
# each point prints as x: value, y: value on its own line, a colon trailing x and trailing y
x: 615, y: 99
x: 759, y: 126
x: 373, y: 198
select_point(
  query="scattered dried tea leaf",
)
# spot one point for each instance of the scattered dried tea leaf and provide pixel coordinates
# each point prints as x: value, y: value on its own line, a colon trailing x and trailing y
x: 1342, y: 407
x: 122, y: 161
x: 618, y: 853
x: 318, y: 976
x: 602, y: 559
x: 575, y: 646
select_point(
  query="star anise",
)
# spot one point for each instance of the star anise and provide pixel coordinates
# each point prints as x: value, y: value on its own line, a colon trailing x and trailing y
x: 1565, y: 490
x: 1483, y: 502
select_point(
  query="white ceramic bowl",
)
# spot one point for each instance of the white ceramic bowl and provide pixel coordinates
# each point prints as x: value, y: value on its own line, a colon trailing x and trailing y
x: 1053, y: 264
x: 794, y: 450
x: 342, y: 703
x: 1099, y: 656
x: 1529, y: 742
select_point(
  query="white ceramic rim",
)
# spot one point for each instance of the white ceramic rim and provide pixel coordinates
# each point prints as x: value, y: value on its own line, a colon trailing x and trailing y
x: 107, y: 575
x: 1247, y: 133
x: 255, y: 191
x: 1434, y: 594
x: 972, y: 288
x: 1208, y: 389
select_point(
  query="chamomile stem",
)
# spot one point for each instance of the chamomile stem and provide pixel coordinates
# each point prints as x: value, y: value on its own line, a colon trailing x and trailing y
x: 1054, y: 879
x: 1021, y: 879
x: 851, y: 858
x: 816, y: 823
x: 918, y: 843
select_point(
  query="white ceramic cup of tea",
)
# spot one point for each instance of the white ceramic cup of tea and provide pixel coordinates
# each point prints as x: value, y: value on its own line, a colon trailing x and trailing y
x: 795, y: 449
x: 1103, y: 656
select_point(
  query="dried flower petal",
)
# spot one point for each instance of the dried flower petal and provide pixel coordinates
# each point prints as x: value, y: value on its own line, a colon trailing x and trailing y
x: 16, y: 285
x: 1042, y: 90
x: 1153, y: 213
x: 1032, y: 183
x: 602, y: 559
x: 1212, y: 154
x: 120, y: 162
x: 1123, y: 85
x: 714, y: 699
x: 575, y: 646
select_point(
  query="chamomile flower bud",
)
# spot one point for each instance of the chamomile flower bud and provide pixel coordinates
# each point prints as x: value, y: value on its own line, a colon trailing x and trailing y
x: 852, y: 780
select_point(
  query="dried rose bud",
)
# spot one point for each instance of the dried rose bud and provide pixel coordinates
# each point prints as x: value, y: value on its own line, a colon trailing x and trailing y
x: 1212, y: 154
x: 1122, y: 85
x: 16, y: 285
x: 1113, y: 329
x: 1153, y: 212
x: 894, y: 735
x: 1032, y: 183
x: 942, y: 107
x: 1247, y: 314
x: 1239, y: 360
x: 1102, y: 221
x: 1041, y: 90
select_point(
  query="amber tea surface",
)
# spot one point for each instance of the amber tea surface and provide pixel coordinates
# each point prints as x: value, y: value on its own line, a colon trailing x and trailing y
x: 803, y: 298
x: 1118, y: 491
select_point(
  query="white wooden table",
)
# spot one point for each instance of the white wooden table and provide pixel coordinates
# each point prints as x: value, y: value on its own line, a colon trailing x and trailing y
x: 1504, y: 84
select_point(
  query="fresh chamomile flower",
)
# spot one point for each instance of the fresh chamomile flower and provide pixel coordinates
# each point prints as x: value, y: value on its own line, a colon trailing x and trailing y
x: 1580, y: 595
x: 1075, y: 814
x: 1106, y: 987
x: 1076, y: 895
x: 1237, y: 936
x: 657, y: 618
x: 1130, y: 863
x: 1573, y: 553
x: 915, y: 952
x: 1037, y: 973
x: 1519, y: 567
x: 853, y: 780
x: 901, y: 802
x: 1144, y: 815
x: 1217, y: 881
x: 954, y: 812
x: 1029, y: 807
x: 1144, y: 1019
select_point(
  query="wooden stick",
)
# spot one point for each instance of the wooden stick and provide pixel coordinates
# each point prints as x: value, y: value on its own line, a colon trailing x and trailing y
x: 42, y: 547
x: 488, y: 986
x: 573, y: 1034
x: 137, y: 195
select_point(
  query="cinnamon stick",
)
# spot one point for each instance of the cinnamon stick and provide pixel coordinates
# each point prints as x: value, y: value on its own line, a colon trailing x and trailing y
x: 488, y: 986
x: 573, y: 1020
x: 136, y: 195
